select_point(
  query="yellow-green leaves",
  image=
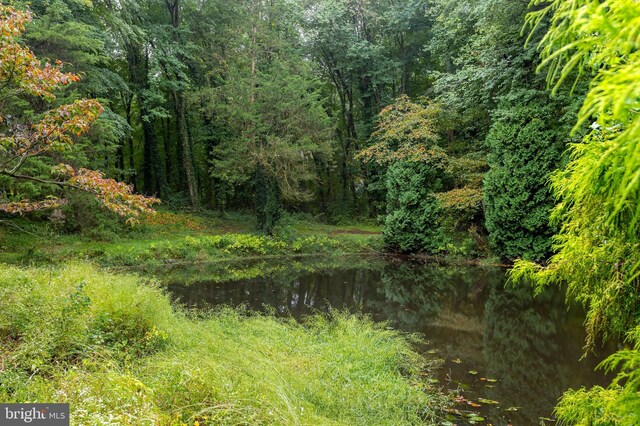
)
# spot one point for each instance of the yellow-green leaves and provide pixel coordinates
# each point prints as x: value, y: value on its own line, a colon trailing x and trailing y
x: 599, y: 190
x: 598, y: 247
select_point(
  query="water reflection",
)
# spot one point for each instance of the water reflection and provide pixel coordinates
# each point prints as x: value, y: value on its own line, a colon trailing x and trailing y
x: 499, y: 343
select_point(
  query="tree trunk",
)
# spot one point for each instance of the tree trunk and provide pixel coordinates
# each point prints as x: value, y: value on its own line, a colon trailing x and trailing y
x: 155, y: 181
x: 127, y: 100
x: 181, y: 120
x: 183, y: 136
x: 268, y: 201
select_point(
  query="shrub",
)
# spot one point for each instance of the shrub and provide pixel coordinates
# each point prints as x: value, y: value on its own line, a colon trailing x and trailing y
x: 413, y: 212
x: 85, y: 215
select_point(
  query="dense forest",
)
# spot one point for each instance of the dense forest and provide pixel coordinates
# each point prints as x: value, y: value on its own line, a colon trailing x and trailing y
x: 340, y: 109
x: 501, y: 130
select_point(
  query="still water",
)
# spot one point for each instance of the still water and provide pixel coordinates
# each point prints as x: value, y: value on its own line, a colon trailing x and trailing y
x: 507, y: 355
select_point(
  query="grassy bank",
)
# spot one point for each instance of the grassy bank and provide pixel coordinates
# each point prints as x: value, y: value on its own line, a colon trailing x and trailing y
x: 117, y: 351
x: 169, y: 238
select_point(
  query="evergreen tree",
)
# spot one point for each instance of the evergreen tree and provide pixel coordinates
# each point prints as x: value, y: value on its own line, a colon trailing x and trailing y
x: 526, y: 142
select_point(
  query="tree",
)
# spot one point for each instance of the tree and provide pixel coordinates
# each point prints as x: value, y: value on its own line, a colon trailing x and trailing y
x: 27, y: 147
x: 271, y: 110
x: 72, y: 32
x: 406, y: 141
x: 598, y: 245
x: 526, y: 142
x: 434, y: 194
x: 366, y: 56
x: 179, y: 101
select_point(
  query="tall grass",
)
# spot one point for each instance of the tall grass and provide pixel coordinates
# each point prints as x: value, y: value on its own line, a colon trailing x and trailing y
x: 117, y: 351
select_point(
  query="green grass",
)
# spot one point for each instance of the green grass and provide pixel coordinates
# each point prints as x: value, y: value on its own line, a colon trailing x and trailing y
x: 169, y: 237
x: 117, y: 351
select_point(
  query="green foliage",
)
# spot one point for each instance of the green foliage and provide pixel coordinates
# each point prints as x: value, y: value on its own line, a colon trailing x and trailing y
x: 84, y: 215
x: 619, y: 404
x: 64, y: 317
x: 433, y: 198
x: 405, y: 130
x: 113, y: 347
x: 477, y: 55
x: 524, y: 149
x: 599, y: 191
x: 413, y: 219
x: 214, y: 247
x: 169, y: 237
x: 405, y: 142
x: 270, y: 115
x: 599, y: 197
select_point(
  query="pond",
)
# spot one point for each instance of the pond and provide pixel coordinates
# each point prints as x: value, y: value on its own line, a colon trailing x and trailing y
x: 508, y: 355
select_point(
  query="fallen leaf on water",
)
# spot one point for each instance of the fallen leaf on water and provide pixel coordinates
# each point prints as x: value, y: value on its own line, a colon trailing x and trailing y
x: 474, y: 372
x: 492, y: 380
x: 489, y: 386
x: 512, y: 409
x: 473, y: 404
x: 457, y: 361
x: 432, y: 351
x: 487, y: 401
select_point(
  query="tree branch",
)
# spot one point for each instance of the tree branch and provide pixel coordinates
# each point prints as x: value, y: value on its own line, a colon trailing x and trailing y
x: 35, y: 179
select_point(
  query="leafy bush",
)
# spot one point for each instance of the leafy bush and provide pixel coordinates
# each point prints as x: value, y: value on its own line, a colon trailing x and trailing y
x: 599, y: 191
x: 413, y: 212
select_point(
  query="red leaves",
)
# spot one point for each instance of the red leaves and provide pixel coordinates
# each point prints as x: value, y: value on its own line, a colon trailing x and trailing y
x: 59, y: 124
x: 26, y: 206
x: 57, y: 129
x: 116, y: 196
x: 20, y: 66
